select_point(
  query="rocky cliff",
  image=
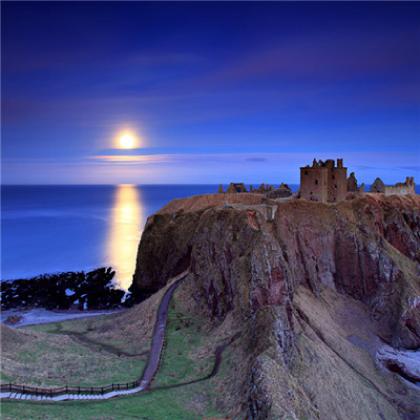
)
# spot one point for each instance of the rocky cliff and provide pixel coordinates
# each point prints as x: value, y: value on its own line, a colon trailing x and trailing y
x: 326, y: 298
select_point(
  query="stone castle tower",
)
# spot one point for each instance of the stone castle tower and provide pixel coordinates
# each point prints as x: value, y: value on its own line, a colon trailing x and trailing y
x: 323, y: 181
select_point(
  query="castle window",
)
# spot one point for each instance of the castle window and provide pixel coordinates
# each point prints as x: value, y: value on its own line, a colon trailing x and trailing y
x: 333, y: 177
x: 335, y: 186
x: 316, y: 182
x: 306, y: 172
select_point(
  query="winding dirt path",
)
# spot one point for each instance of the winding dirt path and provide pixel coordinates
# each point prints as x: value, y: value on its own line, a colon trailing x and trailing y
x: 158, y: 338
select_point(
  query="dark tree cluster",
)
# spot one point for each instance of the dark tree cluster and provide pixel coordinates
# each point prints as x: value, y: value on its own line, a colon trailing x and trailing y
x: 69, y: 290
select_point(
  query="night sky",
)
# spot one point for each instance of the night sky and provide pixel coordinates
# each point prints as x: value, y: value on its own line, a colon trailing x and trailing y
x: 217, y: 92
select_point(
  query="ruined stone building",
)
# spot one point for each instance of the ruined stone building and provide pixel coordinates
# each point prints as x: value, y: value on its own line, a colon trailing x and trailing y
x: 282, y: 191
x: 327, y: 182
x: 352, y: 183
x: 237, y: 187
x: 378, y: 186
x: 400, y: 188
x: 324, y: 181
x: 264, y: 188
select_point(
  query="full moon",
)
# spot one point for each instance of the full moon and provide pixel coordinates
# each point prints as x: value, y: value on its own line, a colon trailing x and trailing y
x: 127, y: 140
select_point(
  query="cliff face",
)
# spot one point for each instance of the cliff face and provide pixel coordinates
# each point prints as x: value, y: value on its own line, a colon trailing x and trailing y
x: 317, y: 291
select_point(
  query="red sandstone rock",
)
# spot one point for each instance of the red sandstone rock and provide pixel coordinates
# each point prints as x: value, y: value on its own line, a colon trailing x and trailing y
x: 249, y: 256
x: 366, y: 248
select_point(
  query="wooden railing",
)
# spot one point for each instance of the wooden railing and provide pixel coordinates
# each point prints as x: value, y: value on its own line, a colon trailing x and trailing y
x: 146, y: 378
x: 56, y: 391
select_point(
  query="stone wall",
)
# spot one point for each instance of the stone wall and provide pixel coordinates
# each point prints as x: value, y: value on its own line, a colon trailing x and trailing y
x: 314, y: 184
x: 337, y: 184
x: 400, y: 189
x: 323, y: 181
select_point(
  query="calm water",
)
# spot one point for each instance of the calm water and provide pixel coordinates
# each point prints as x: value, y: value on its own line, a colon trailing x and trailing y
x: 49, y: 229
x: 67, y: 228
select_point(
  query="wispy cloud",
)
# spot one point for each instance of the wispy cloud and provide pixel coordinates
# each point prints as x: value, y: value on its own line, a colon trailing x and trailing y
x: 200, y: 168
x: 411, y: 168
x: 256, y: 159
x: 71, y: 80
x: 327, y: 59
x: 141, y: 159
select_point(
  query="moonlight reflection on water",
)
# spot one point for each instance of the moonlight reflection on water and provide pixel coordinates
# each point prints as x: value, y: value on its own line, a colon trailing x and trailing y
x: 125, y: 231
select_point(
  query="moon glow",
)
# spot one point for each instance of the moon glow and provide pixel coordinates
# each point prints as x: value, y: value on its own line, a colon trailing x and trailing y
x: 127, y: 140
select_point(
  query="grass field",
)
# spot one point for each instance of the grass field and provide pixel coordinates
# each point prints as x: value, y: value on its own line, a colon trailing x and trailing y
x: 186, y: 357
x: 171, y: 404
x: 57, y: 358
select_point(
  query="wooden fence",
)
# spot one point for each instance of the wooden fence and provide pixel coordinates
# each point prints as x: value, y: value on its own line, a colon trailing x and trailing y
x: 56, y: 391
x: 157, y: 352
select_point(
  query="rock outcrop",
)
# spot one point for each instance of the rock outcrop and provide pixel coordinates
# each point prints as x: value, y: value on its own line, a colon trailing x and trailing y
x: 316, y: 289
x: 77, y: 290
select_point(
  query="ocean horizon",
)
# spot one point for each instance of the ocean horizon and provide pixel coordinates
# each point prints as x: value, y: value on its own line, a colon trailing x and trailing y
x: 58, y: 228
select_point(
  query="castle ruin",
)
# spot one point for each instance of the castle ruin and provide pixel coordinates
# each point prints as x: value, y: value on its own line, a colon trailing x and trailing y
x: 324, y: 181
x: 378, y: 186
x: 401, y: 188
x: 236, y: 187
x: 328, y: 183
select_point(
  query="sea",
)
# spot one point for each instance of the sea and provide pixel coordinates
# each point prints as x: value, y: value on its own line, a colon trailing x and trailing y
x: 50, y: 229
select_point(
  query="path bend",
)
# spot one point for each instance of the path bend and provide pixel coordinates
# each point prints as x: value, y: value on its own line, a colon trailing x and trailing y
x: 11, y: 391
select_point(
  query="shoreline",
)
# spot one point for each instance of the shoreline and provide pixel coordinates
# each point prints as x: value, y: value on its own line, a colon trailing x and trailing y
x: 36, y: 316
x: 73, y: 290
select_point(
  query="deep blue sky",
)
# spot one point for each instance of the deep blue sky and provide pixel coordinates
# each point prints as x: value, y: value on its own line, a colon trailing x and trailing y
x: 217, y: 91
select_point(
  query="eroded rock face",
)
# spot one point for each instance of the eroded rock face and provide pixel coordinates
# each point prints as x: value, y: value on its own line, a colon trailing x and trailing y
x: 169, y: 235
x: 248, y: 258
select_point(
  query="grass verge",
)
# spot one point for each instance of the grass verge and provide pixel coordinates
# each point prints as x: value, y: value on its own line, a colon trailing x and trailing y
x: 185, y: 358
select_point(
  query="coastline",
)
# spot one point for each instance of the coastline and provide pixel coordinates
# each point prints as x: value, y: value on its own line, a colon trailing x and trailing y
x: 77, y: 291
x: 36, y: 316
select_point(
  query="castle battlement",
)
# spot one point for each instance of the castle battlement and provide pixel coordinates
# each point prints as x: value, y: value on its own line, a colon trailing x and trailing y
x: 402, y: 188
x: 324, y: 181
x: 327, y: 182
